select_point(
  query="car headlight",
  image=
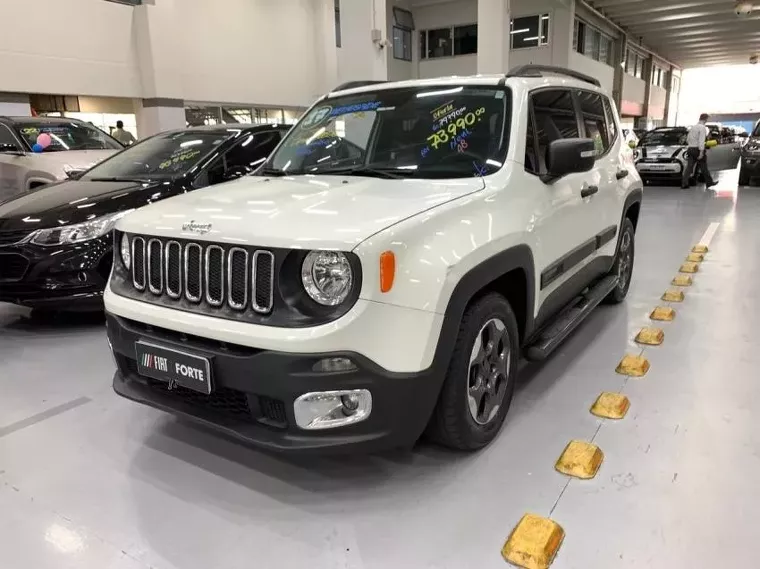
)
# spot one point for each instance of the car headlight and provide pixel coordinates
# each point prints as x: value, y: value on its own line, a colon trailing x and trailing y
x: 126, y: 252
x: 752, y: 149
x: 78, y: 232
x: 636, y: 154
x: 327, y: 277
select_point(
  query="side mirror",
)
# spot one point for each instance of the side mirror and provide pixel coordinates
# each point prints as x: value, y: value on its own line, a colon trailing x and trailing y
x: 711, y: 143
x: 568, y: 156
x: 74, y: 174
x: 743, y: 135
x: 234, y: 172
x: 632, y: 144
x: 9, y: 148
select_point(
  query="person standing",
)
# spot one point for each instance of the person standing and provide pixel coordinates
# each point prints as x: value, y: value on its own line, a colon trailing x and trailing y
x: 123, y: 136
x: 696, y: 153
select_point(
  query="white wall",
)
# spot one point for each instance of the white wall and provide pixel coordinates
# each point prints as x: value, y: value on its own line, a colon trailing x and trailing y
x: 67, y: 47
x: 634, y: 89
x: 239, y: 51
x: 601, y: 71
x: 657, y: 97
x: 399, y: 69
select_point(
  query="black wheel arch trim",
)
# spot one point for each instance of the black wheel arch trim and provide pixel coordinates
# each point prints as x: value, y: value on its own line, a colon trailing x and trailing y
x: 635, y: 197
x: 475, y: 280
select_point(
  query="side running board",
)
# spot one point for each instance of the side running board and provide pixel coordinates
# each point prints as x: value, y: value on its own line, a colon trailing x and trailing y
x: 567, y: 320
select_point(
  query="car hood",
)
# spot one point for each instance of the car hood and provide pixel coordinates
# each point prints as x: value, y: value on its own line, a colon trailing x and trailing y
x: 74, y: 201
x: 307, y: 212
x: 56, y: 162
x: 660, y: 150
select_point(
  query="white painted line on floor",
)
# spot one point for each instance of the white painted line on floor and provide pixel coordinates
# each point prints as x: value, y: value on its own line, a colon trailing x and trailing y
x: 43, y: 416
x: 709, y: 234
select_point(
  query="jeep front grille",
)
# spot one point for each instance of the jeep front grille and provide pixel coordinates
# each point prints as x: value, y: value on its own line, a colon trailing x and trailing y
x: 202, y: 273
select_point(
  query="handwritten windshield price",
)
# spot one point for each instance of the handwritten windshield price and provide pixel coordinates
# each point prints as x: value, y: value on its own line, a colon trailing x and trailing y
x: 444, y: 135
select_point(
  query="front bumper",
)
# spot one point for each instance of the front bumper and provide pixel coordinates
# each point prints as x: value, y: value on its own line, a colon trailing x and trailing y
x: 660, y: 169
x: 254, y: 391
x: 70, y: 277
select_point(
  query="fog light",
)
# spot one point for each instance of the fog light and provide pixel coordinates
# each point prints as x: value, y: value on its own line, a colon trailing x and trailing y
x: 333, y: 365
x: 331, y: 409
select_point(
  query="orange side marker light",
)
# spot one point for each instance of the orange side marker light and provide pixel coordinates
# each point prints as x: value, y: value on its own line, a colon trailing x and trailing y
x: 387, y: 270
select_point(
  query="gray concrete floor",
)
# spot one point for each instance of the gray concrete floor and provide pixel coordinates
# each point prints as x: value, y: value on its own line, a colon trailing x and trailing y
x: 91, y: 481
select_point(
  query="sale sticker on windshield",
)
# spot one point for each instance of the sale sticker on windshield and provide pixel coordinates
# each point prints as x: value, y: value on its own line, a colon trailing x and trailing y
x: 456, y: 131
x: 183, y: 155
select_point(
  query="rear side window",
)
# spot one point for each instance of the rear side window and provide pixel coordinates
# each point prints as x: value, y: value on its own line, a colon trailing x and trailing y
x: 594, y: 120
x: 612, y: 127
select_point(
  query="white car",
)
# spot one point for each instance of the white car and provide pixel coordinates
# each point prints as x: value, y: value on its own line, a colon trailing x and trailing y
x: 69, y: 146
x: 383, y: 274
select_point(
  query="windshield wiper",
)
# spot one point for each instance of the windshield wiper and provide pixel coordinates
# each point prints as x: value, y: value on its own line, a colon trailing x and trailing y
x: 387, y: 173
x: 273, y: 172
x: 114, y: 179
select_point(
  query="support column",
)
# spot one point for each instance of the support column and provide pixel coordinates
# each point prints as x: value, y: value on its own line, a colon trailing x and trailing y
x: 363, y: 54
x: 493, y: 36
x: 326, y: 46
x: 621, y: 47
x: 162, y: 107
x: 647, y: 76
x: 159, y: 114
x: 15, y: 105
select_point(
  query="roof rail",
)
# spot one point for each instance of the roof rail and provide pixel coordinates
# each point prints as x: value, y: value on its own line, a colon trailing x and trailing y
x: 355, y: 84
x: 538, y: 70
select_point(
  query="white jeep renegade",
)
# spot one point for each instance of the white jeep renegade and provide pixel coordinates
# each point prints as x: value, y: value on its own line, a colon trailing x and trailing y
x: 385, y: 271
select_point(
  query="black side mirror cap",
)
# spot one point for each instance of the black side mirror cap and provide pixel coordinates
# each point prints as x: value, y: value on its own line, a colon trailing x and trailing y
x: 569, y: 156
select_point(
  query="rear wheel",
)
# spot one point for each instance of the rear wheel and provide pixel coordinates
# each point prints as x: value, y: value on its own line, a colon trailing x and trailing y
x: 480, y: 381
x: 623, y: 265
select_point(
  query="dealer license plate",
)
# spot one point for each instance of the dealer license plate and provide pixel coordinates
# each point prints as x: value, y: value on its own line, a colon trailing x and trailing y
x: 173, y: 366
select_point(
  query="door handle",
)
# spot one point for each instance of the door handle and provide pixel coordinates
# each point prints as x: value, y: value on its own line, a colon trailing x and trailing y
x: 621, y: 174
x: 589, y: 191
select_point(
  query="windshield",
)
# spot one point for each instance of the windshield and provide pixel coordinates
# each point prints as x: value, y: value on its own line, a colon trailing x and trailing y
x: 432, y: 132
x: 664, y: 138
x: 756, y: 132
x: 163, y: 156
x: 61, y: 135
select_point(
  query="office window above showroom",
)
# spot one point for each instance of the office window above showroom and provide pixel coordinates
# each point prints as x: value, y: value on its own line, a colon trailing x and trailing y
x: 529, y: 31
x: 592, y: 42
x: 449, y: 42
x: 403, y: 25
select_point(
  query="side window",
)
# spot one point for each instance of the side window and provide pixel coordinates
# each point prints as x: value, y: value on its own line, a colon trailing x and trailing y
x: 555, y: 119
x: 6, y: 137
x: 241, y: 159
x: 612, y: 127
x: 594, y: 121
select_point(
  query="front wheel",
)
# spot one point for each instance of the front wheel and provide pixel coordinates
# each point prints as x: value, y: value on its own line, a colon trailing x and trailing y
x: 623, y: 265
x: 480, y: 381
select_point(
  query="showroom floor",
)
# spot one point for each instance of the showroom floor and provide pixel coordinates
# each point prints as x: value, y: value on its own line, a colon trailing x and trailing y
x: 91, y: 481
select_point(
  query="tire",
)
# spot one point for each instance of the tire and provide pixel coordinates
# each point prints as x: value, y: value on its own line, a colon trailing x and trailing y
x: 470, y: 410
x: 744, y: 177
x: 623, y: 261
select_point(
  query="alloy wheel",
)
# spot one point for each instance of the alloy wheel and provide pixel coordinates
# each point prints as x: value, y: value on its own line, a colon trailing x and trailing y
x: 625, y: 263
x: 488, y: 371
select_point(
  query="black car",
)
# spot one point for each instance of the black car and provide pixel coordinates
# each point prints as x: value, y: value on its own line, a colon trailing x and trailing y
x: 750, y: 160
x: 55, y: 248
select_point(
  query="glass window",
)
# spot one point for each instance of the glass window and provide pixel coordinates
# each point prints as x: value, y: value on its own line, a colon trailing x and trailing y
x: 6, y: 136
x: 403, y: 18
x: 556, y: 119
x: 612, y: 127
x: 337, y: 23
x: 241, y: 159
x: 665, y: 137
x: 65, y: 135
x: 594, y: 120
x: 402, y: 44
x: 422, y: 132
x: 439, y: 43
x: 605, y: 49
x: 465, y: 39
x: 163, y: 156
x: 529, y: 31
x: 578, y: 31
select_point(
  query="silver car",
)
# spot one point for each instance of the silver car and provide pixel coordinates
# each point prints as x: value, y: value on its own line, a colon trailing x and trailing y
x: 660, y: 155
x: 35, y: 151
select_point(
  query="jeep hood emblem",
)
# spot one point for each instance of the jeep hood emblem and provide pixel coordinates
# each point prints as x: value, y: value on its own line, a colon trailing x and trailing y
x: 195, y: 227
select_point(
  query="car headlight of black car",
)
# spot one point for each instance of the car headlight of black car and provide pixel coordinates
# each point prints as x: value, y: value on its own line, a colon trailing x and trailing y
x: 327, y: 277
x: 752, y: 148
x: 78, y: 232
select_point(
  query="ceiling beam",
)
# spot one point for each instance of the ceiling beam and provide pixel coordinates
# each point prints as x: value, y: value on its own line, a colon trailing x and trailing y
x: 603, y: 4
x: 677, y: 17
x: 699, y: 23
x: 655, y: 7
x: 687, y: 43
x: 708, y: 32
